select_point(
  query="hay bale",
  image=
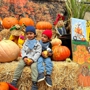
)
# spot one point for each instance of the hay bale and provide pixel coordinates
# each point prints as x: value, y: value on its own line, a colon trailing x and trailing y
x: 64, y: 75
x: 5, y: 33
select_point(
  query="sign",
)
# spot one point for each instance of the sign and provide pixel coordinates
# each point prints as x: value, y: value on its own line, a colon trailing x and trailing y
x: 80, y: 40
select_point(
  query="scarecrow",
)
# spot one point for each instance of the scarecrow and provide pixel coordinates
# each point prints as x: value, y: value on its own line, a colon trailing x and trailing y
x: 17, y: 35
x: 59, y: 25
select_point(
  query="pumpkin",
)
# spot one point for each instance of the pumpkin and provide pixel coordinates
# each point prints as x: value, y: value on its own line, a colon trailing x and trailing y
x: 41, y: 25
x: 4, y: 86
x: 83, y: 80
x: 26, y: 21
x: 84, y: 77
x: 9, y: 50
x: 56, y: 41
x: 8, y: 22
x: 60, y: 53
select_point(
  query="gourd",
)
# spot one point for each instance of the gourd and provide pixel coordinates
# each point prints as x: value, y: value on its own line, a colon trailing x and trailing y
x: 9, y: 51
x: 56, y: 41
x: 45, y: 53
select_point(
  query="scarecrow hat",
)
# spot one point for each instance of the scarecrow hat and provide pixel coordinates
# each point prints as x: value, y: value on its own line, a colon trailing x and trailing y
x: 59, y: 17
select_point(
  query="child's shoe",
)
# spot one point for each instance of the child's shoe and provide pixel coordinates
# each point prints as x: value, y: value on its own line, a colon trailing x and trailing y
x: 41, y: 77
x: 14, y: 83
x: 48, y: 81
x: 34, y: 86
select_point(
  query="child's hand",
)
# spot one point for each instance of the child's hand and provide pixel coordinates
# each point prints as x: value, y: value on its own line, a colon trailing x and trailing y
x: 49, y: 53
x: 25, y: 60
x: 28, y: 61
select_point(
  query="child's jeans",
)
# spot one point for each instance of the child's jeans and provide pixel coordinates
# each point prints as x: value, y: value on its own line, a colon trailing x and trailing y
x: 19, y: 69
x: 47, y: 67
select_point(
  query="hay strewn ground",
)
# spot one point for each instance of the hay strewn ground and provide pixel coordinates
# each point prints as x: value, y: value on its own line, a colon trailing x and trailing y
x: 64, y: 75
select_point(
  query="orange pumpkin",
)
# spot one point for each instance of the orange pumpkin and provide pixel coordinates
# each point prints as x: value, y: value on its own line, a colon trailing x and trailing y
x: 84, y: 76
x: 4, y: 86
x: 83, y: 80
x: 60, y: 53
x: 26, y: 21
x: 9, y: 50
x: 56, y: 41
x: 8, y: 22
x: 41, y: 25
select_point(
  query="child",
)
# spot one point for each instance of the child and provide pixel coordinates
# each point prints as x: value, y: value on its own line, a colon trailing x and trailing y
x: 30, y: 53
x: 45, y: 58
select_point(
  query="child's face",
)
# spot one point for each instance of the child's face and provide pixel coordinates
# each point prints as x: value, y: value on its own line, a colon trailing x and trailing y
x: 30, y: 35
x: 44, y: 38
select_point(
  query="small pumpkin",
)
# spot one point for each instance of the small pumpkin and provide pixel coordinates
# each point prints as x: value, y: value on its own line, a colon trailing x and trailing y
x: 9, y: 50
x: 83, y: 80
x: 4, y: 86
x: 45, y: 53
x: 84, y: 77
x: 60, y: 53
x: 56, y: 41
x: 41, y: 25
x: 26, y: 21
x: 8, y: 22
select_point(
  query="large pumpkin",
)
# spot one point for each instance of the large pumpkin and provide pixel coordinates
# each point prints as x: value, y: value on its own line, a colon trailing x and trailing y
x: 4, y: 86
x: 26, y: 21
x: 41, y: 25
x: 9, y: 51
x: 8, y: 22
x: 60, y: 53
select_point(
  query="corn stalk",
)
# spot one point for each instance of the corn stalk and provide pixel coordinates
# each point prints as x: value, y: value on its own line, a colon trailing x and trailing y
x: 76, y: 9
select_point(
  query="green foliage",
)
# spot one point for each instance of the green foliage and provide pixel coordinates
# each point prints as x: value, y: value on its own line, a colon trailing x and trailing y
x: 76, y: 9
